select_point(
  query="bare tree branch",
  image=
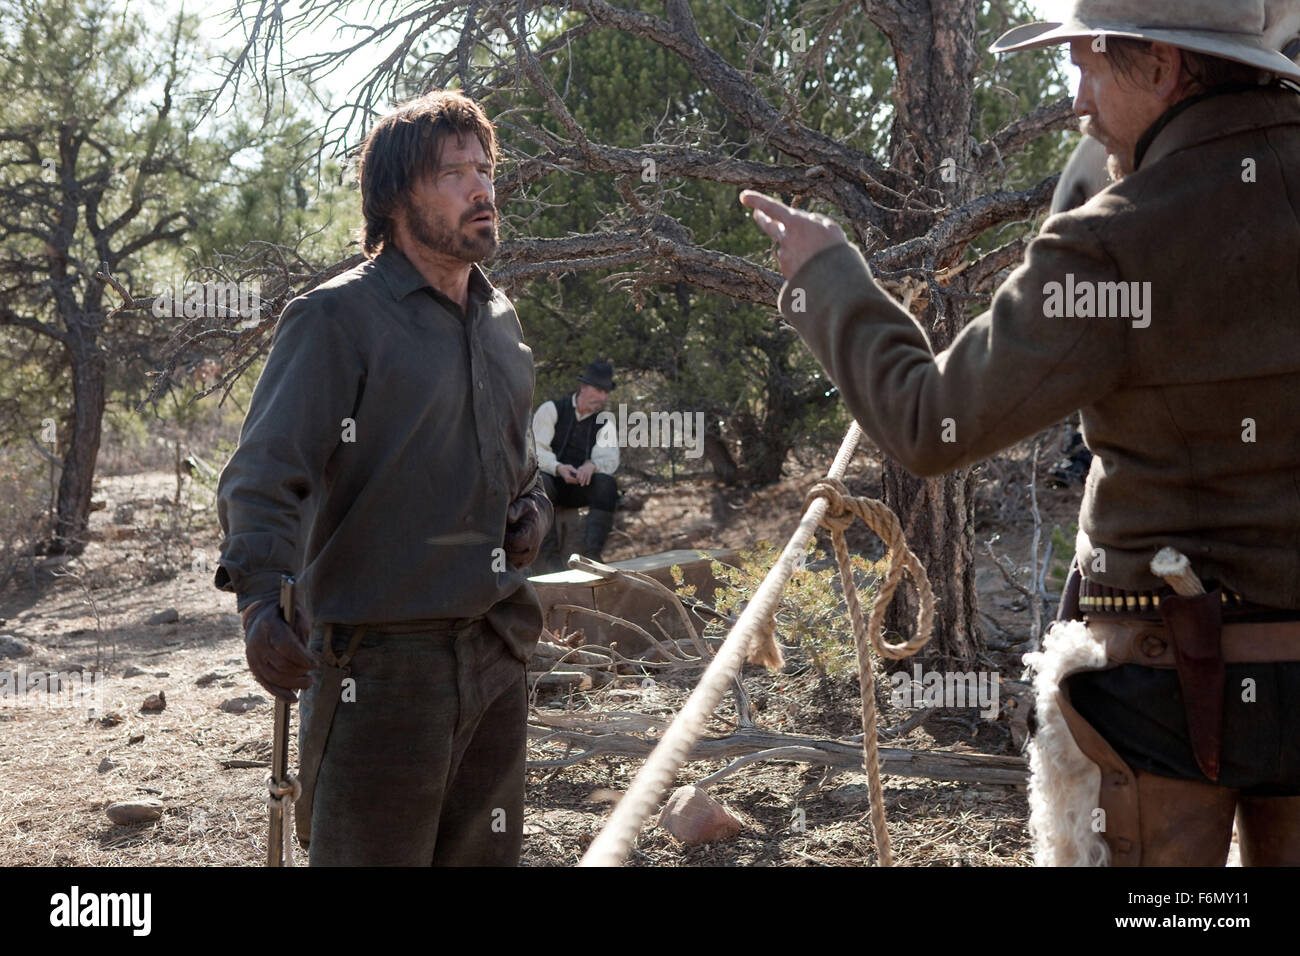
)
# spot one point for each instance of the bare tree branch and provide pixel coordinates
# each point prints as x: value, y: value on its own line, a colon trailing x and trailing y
x: 949, y: 238
x: 1016, y: 135
x: 10, y: 317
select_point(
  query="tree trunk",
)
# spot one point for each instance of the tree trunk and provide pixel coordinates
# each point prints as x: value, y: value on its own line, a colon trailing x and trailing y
x: 936, y: 58
x: 937, y: 515
x: 765, y: 454
x: 88, y: 389
x: 766, y: 442
x: 718, y: 454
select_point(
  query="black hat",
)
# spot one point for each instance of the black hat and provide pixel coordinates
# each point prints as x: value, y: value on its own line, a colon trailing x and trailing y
x: 599, y: 375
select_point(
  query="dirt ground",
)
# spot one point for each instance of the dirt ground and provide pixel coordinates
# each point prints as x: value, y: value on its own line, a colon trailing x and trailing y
x: 59, y: 770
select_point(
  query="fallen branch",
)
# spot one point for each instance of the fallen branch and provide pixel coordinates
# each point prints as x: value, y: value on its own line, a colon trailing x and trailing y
x: 550, y: 652
x: 670, y: 654
x: 562, y: 681
x: 613, y: 721
x: 930, y: 764
x: 907, y: 726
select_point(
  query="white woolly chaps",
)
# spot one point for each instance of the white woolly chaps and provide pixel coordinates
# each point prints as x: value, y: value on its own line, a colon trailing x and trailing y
x: 1064, y: 785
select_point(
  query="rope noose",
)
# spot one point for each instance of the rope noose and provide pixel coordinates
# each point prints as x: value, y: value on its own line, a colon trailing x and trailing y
x: 841, y: 509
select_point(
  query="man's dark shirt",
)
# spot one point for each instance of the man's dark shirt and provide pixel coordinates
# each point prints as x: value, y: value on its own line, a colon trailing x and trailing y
x: 403, y: 427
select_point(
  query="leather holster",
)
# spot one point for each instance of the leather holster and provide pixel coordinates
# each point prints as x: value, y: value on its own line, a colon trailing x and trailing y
x: 1194, y: 626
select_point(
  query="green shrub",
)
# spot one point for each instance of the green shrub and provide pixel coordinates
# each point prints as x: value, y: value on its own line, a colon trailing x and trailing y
x: 812, y: 612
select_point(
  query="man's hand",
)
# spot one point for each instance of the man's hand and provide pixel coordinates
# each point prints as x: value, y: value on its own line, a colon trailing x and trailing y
x: 277, y: 654
x: 525, y: 528
x: 568, y: 473
x: 798, y: 235
x: 585, y: 472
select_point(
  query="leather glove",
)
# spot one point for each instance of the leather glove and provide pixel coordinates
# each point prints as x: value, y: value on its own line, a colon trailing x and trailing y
x: 526, y: 525
x: 277, y: 653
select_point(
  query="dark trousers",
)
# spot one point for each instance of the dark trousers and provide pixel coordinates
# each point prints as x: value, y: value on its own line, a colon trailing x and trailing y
x: 601, y: 493
x: 1139, y: 711
x: 424, y: 764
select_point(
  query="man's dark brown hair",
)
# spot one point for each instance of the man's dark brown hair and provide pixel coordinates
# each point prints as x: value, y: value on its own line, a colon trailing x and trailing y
x: 403, y: 147
x: 1204, y: 71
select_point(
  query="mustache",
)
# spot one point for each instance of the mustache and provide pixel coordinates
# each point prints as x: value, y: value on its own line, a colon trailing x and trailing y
x: 1089, y: 126
x: 478, y: 211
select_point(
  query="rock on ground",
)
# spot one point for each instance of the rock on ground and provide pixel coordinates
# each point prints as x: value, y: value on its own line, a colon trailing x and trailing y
x: 11, y: 646
x: 135, y: 811
x: 692, y: 816
x: 239, y: 705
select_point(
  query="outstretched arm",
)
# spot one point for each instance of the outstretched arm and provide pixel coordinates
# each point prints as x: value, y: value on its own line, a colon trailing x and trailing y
x: 1011, y: 372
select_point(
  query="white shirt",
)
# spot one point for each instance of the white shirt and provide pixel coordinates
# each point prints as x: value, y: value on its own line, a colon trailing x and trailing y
x: 604, y: 455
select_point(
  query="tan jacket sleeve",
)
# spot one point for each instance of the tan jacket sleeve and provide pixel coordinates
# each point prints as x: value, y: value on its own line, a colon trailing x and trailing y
x: 1008, y: 374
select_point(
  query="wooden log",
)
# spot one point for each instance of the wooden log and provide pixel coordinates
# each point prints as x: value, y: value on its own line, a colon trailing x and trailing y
x: 561, y: 681
x: 604, y: 722
x: 846, y: 755
x: 553, y: 652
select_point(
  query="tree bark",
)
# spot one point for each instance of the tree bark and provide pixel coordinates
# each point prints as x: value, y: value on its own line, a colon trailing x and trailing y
x: 936, y: 60
x: 88, y: 387
x: 937, y: 515
x: 719, y: 455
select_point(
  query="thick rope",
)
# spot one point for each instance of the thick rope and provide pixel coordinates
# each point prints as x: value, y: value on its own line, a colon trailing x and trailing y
x: 754, y: 636
x: 842, y: 509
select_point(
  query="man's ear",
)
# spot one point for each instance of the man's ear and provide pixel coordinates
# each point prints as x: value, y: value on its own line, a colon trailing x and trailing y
x: 1166, y: 69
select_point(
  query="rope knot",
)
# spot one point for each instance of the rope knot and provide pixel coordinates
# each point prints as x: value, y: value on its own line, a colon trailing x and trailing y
x: 841, y: 509
x: 838, y: 515
x: 281, y: 794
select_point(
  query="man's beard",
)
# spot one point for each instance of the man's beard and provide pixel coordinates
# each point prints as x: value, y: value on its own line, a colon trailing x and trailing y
x: 1088, y: 126
x: 435, y: 234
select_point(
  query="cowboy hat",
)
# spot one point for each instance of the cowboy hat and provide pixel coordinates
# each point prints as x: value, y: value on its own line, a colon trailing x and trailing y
x: 1245, y: 31
x: 598, y: 375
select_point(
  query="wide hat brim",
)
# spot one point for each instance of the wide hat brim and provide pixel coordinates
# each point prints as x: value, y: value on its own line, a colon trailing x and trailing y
x: 1240, y: 47
x: 605, y: 385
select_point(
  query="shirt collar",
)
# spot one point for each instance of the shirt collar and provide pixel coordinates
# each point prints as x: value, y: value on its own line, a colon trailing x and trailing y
x: 402, y: 278
x: 573, y: 397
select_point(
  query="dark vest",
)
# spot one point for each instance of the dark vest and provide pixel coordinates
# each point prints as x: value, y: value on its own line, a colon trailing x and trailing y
x: 573, y: 439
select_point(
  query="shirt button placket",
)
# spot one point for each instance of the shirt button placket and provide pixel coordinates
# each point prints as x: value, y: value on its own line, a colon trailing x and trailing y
x: 488, y: 443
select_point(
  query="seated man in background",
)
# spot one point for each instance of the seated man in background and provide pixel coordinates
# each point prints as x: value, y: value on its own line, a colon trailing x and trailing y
x: 578, y: 456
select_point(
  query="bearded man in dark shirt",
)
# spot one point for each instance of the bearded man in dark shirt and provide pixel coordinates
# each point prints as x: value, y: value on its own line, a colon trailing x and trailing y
x: 388, y: 443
